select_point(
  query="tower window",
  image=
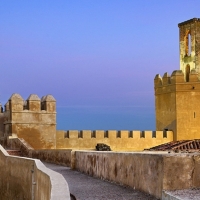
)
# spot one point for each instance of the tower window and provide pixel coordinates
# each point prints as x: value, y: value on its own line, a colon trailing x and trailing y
x: 194, y: 114
x: 187, y: 43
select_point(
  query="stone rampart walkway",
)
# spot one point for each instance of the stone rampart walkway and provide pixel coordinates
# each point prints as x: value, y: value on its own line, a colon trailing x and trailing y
x: 84, y: 187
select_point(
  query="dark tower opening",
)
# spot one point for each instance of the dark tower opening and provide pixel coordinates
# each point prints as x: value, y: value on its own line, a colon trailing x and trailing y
x: 187, y: 72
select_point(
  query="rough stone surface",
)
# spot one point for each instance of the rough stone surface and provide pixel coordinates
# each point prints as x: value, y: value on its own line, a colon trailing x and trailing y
x: 84, y: 187
x: 189, y: 38
x: 140, y: 171
x: 33, y: 120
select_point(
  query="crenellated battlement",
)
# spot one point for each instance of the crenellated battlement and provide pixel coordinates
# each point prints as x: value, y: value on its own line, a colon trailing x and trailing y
x: 33, y: 103
x: 176, y: 77
x: 117, y: 140
x: 100, y: 134
x: 176, y: 82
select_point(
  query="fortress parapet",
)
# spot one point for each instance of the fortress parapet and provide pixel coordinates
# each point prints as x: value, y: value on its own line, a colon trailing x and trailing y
x: 122, y: 140
x: 176, y: 82
x: 176, y: 78
x: 33, y: 103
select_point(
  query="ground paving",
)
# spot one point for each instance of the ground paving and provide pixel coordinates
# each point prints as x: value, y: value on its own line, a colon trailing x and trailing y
x: 85, y: 187
x: 187, y: 194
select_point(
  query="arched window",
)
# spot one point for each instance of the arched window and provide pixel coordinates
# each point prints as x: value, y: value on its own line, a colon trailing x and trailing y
x: 187, y: 72
x: 188, y: 44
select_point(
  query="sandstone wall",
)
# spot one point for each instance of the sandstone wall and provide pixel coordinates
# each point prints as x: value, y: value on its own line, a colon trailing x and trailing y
x: 56, y: 156
x: 23, y: 178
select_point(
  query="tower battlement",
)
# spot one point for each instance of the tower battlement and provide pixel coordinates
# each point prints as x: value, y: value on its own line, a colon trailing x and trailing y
x: 176, y: 82
x: 33, y: 103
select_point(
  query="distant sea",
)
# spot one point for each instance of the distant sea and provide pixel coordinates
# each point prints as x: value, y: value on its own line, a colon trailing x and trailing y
x: 105, y: 118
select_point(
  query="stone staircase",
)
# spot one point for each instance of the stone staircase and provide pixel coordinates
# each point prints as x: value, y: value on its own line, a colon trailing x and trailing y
x: 15, y: 152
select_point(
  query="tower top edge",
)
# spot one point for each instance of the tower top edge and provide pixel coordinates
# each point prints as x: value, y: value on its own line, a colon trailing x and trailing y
x: 189, y: 21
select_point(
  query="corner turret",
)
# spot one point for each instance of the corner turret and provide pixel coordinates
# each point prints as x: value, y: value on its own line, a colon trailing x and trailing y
x: 27, y: 120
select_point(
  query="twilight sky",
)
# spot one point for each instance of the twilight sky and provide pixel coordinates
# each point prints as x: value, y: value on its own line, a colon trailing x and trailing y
x: 98, y: 58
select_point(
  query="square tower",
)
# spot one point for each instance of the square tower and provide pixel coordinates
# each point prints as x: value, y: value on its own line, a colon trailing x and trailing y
x: 34, y: 120
x: 177, y: 104
x: 189, y: 44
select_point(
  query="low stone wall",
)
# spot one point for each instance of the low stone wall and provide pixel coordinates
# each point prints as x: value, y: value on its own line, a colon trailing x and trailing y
x: 148, y: 172
x: 24, y: 178
x: 56, y: 156
x: 59, y: 157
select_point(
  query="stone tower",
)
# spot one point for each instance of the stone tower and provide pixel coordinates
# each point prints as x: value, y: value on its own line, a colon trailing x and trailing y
x: 33, y: 119
x: 189, y: 42
x: 177, y: 104
x: 177, y: 96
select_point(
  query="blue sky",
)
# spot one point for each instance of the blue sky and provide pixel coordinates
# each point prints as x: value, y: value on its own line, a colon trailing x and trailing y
x: 98, y: 58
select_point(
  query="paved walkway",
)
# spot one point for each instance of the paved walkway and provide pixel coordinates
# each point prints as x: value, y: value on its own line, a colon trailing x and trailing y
x: 84, y: 187
x: 187, y: 194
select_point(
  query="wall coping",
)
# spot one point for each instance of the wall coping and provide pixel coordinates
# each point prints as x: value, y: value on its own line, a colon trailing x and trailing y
x: 59, y: 186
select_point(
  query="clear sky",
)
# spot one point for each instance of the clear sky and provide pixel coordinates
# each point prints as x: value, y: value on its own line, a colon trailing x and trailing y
x: 98, y: 58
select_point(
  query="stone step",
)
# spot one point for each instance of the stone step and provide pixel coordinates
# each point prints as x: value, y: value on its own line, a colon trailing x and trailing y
x: 14, y: 152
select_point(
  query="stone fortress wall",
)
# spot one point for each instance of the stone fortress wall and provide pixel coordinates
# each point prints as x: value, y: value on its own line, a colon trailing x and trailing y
x: 123, y: 140
x: 25, y: 178
x: 177, y: 118
x: 34, y: 120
